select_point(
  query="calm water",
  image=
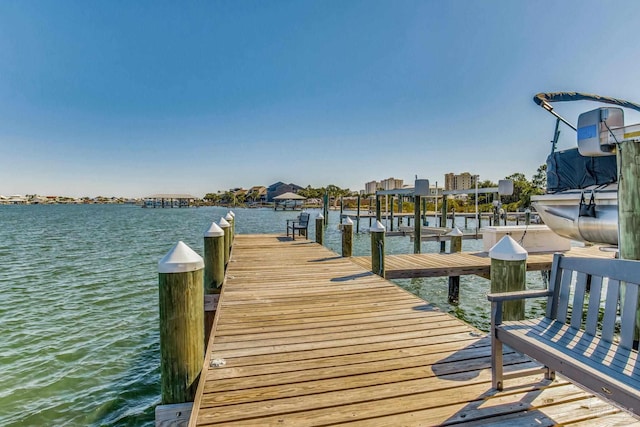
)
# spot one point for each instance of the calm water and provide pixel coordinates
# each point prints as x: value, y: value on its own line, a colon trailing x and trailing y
x: 78, y: 304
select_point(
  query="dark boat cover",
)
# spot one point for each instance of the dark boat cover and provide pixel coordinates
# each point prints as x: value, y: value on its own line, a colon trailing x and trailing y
x: 577, y: 96
x: 569, y: 170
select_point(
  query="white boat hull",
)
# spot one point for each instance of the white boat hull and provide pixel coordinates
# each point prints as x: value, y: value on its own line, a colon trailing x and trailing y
x: 560, y: 212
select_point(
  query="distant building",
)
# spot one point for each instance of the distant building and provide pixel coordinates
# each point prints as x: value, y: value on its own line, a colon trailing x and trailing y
x: 275, y: 190
x: 257, y: 193
x: 371, y: 187
x: 463, y: 181
x: 386, y: 184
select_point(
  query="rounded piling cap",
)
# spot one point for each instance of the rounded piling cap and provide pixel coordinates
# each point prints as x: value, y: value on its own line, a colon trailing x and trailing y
x: 348, y: 221
x: 214, y: 231
x: 224, y: 223
x: 320, y: 216
x: 228, y: 216
x: 377, y: 228
x: 232, y: 214
x: 455, y: 232
x: 180, y: 259
x: 508, y: 249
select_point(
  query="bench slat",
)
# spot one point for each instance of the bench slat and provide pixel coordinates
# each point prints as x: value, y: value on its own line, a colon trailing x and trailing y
x: 563, y: 296
x: 628, y: 321
x: 554, y: 286
x: 578, y: 300
x: 610, y: 310
x: 595, y: 297
x: 620, y: 269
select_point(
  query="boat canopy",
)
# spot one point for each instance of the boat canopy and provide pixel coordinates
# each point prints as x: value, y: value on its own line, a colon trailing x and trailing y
x: 568, y: 169
x: 543, y: 99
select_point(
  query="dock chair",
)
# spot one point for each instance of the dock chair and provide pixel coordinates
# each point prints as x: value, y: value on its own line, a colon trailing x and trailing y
x: 299, y: 224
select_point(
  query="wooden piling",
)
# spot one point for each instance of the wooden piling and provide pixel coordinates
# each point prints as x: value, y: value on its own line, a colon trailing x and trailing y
x: 231, y: 220
x: 319, y: 229
x: 443, y: 221
x: 325, y: 208
x: 377, y: 248
x: 213, y: 274
x: 390, y: 210
x: 455, y: 246
x: 181, y: 296
x: 358, y: 215
x: 347, y: 238
x: 341, y: 208
x: 527, y: 216
x: 378, y: 209
x: 424, y: 211
x: 629, y: 205
x: 417, y: 240
x: 226, y: 227
x: 508, y: 274
x: 233, y: 226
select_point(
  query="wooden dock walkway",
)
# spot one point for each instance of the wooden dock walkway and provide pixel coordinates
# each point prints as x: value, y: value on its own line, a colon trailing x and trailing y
x: 407, y: 266
x: 304, y: 337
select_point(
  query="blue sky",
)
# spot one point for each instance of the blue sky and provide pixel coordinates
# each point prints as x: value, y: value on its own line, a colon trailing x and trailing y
x: 132, y: 98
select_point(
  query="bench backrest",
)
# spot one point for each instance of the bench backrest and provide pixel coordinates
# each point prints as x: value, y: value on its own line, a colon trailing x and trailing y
x: 612, y: 283
x: 304, y: 220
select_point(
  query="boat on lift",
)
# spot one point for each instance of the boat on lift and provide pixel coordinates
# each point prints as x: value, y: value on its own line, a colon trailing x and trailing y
x: 582, y: 182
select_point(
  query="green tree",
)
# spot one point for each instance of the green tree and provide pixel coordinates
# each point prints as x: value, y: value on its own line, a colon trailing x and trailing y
x: 539, y: 179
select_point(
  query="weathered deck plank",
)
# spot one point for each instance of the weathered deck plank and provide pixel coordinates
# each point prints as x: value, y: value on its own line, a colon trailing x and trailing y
x: 309, y: 338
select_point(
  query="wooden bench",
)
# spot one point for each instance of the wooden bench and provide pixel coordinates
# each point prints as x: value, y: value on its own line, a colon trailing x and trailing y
x: 576, y: 338
x: 298, y: 224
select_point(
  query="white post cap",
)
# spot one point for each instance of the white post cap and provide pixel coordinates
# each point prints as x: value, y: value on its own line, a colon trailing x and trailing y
x: 455, y: 232
x: 377, y: 228
x: 214, y: 231
x: 232, y: 214
x: 320, y: 216
x: 223, y: 223
x: 228, y: 216
x: 180, y: 259
x: 348, y: 221
x: 508, y: 249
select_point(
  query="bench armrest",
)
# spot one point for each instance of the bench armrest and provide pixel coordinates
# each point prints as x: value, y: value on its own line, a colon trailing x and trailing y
x: 512, y: 296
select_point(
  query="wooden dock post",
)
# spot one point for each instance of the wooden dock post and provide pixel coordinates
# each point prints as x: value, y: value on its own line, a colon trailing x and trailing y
x: 377, y: 248
x: 527, y: 216
x: 454, y: 281
x: 509, y: 273
x: 325, y: 208
x: 417, y: 232
x: 358, y: 216
x: 226, y: 227
x: 424, y: 212
x: 378, y: 209
x: 319, y: 229
x: 420, y: 190
x: 443, y: 220
x: 213, y: 274
x: 181, y: 296
x: 391, y: 214
x: 629, y: 205
x: 232, y: 227
x: 341, y: 208
x: 453, y: 218
x: 347, y: 238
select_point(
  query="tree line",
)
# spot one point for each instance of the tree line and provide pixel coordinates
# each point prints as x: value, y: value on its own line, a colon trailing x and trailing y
x: 523, y: 189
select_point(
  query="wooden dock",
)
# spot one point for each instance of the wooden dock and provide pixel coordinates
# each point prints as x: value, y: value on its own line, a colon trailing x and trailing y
x: 407, y: 266
x: 304, y: 337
